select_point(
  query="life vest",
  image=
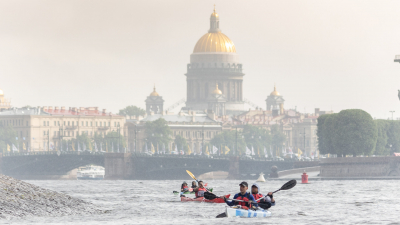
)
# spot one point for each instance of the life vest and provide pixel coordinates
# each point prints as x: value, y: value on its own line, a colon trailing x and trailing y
x: 200, y: 192
x: 185, y: 187
x: 257, y: 196
x: 244, y: 198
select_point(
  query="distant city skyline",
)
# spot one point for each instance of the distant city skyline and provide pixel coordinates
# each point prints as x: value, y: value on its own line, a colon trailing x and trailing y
x: 328, y: 55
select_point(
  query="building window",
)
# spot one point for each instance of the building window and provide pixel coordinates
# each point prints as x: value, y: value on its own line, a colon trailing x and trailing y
x: 96, y: 124
x: 91, y: 124
x: 27, y: 123
x: 115, y: 124
x: 109, y: 123
x: 87, y: 123
x: 44, y: 132
x: 73, y: 123
x: 64, y: 123
x: 44, y: 123
x: 68, y: 123
x: 55, y: 124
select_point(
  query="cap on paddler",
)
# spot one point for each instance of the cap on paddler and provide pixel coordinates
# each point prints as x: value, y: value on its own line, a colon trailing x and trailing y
x: 184, y: 182
x: 244, y: 183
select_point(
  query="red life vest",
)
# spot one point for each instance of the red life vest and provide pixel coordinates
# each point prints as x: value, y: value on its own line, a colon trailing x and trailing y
x: 257, y: 196
x: 244, y: 198
x: 183, y: 187
x: 200, y: 192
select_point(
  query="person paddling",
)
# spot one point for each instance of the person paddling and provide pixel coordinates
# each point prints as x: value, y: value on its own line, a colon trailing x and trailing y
x: 194, y: 185
x: 184, y: 187
x: 268, y: 200
x: 199, y: 191
x: 242, y: 195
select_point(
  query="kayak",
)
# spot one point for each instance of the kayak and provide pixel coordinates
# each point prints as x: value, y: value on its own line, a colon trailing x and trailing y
x: 189, y: 192
x: 202, y: 199
x: 238, y: 212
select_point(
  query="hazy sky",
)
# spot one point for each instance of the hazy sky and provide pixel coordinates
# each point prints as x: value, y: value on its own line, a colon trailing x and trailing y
x: 327, y: 54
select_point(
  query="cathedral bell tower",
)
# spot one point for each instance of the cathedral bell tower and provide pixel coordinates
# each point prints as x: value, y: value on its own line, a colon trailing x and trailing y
x: 154, y: 103
x: 216, y: 102
x: 275, y: 103
x: 214, y: 61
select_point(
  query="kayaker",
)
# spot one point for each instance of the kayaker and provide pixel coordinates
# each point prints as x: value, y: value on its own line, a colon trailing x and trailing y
x: 199, y: 191
x: 184, y: 187
x: 242, y: 195
x: 194, y: 185
x: 268, y: 200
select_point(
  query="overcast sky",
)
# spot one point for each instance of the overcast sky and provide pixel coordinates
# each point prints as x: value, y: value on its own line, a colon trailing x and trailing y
x: 321, y: 54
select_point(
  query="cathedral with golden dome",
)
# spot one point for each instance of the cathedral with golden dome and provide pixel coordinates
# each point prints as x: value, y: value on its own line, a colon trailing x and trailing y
x: 215, y: 63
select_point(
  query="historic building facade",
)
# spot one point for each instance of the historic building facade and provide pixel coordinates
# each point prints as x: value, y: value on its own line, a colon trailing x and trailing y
x: 42, y: 128
x: 214, y: 61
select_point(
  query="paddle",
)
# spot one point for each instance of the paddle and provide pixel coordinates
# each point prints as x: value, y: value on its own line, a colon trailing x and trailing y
x: 191, y: 174
x: 288, y: 185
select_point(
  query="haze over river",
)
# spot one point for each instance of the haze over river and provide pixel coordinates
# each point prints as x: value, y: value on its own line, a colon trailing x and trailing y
x: 152, y: 202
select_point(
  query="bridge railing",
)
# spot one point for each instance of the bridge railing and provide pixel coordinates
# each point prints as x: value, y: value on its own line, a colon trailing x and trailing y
x: 8, y: 154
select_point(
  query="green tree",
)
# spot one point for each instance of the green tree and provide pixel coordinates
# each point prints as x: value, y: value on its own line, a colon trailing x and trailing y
x: 321, y: 141
x: 381, y: 147
x: 181, y: 143
x: 114, y: 140
x: 277, y: 137
x: 158, y: 133
x: 355, y: 133
x: 7, y: 137
x: 228, y: 138
x: 328, y: 132
x: 82, y: 140
x: 393, y: 133
x: 257, y: 137
x: 132, y: 111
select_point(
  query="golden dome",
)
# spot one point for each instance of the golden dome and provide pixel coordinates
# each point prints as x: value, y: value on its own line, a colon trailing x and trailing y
x: 217, y: 91
x: 275, y: 93
x: 154, y: 93
x: 214, y: 42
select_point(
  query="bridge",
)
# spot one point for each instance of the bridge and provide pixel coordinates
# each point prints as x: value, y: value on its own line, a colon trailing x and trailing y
x: 56, y: 165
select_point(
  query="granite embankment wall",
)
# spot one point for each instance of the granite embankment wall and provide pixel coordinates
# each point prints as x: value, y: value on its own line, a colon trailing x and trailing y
x: 360, y: 167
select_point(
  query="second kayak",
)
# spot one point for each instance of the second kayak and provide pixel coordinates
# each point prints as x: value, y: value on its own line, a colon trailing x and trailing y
x: 202, y: 199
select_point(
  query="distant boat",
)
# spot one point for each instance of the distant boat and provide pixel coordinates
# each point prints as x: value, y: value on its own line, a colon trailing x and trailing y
x: 90, y: 172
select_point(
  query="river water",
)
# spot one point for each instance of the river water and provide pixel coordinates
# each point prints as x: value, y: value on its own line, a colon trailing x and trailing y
x: 152, y: 202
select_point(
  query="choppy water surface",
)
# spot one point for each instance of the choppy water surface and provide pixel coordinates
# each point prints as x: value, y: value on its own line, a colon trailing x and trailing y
x: 152, y: 202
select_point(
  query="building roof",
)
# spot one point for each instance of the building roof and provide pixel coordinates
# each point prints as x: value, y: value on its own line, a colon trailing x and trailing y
x: 23, y: 111
x: 180, y: 118
x: 90, y: 111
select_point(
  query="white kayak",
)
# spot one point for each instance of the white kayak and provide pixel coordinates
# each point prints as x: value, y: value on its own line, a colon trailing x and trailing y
x: 238, y: 212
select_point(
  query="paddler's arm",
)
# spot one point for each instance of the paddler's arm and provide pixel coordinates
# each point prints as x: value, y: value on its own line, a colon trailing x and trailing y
x: 270, y: 195
x: 230, y: 203
x: 252, y: 201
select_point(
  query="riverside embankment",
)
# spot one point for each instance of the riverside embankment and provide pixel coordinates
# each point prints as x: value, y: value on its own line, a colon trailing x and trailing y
x: 20, y: 199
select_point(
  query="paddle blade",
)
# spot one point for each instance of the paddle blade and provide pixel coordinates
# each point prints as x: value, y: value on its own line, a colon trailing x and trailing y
x: 290, y: 184
x: 191, y: 174
x: 209, y: 196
